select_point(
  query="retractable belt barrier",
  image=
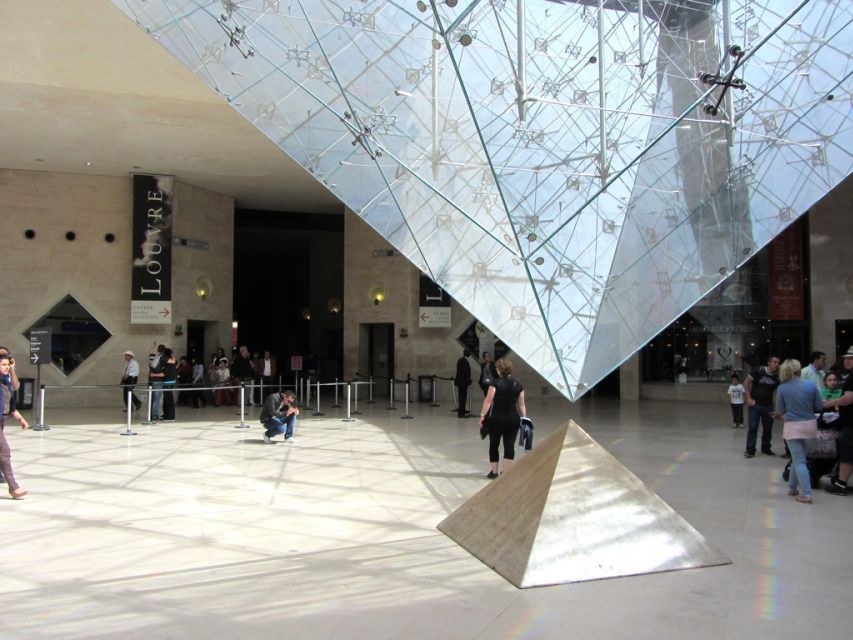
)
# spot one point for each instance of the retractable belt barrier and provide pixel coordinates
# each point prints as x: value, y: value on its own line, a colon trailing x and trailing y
x: 302, y: 386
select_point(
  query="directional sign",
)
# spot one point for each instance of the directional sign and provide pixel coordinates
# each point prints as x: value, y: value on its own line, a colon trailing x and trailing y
x: 433, y: 317
x: 40, y: 341
x: 150, y: 312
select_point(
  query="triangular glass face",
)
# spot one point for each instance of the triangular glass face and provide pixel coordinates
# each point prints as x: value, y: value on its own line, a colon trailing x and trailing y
x: 576, y: 176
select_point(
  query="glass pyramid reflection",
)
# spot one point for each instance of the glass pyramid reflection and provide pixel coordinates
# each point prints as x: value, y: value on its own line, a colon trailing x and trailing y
x: 553, y: 165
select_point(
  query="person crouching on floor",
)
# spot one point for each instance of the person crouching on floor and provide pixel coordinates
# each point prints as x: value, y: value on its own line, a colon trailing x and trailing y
x: 278, y: 415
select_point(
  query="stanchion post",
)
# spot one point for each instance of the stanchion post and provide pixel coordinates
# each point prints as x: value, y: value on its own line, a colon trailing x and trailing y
x: 434, y: 403
x: 242, y: 424
x: 370, y: 390
x: 308, y: 392
x: 407, y: 416
x: 41, y: 426
x: 355, y: 411
x: 391, y: 386
x: 129, y: 431
x: 318, y: 412
x: 349, y: 417
x: 336, y: 405
x: 148, y: 410
x: 455, y: 408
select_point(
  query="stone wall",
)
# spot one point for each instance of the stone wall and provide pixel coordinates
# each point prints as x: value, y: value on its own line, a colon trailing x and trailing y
x: 42, y: 271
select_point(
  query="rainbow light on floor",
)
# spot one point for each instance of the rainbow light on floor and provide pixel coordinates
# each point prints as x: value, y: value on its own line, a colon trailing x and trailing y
x: 770, y: 518
x: 672, y: 469
x: 766, y: 598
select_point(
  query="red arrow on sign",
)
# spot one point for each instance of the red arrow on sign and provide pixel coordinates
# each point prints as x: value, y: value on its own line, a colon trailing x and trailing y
x: 164, y: 312
x: 424, y: 316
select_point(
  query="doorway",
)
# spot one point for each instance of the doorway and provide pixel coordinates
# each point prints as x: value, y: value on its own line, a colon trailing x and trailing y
x: 376, y: 355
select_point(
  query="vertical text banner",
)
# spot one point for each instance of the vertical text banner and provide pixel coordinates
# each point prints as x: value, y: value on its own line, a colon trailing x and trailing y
x: 434, y: 307
x: 151, y: 297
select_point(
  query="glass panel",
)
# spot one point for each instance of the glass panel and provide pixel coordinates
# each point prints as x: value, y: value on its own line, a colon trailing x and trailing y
x: 558, y: 167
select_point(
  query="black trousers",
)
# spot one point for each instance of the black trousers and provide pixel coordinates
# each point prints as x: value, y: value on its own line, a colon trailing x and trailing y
x: 128, y: 384
x: 463, y: 401
x: 506, y: 428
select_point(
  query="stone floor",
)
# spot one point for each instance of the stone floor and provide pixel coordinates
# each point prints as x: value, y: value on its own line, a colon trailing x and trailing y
x: 197, y: 529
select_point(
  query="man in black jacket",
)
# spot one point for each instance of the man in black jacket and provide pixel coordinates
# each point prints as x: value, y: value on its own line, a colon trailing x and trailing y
x: 462, y: 382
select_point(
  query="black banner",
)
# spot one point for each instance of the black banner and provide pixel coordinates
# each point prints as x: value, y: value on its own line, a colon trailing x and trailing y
x: 151, y: 295
x: 431, y: 295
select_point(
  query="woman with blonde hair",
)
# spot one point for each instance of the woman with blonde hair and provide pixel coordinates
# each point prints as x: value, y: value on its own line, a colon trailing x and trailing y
x: 504, y: 404
x: 797, y: 401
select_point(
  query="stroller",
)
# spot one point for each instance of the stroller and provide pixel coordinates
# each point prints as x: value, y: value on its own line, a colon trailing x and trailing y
x: 821, y: 452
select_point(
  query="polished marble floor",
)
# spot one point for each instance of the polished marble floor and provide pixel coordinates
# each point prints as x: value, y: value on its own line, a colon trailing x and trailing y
x: 197, y: 529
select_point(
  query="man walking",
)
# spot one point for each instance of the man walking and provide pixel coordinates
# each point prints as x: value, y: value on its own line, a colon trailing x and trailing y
x: 129, y: 379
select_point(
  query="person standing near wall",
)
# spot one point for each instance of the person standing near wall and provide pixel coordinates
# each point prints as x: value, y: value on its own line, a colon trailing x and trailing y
x: 488, y: 372
x: 462, y: 380
x: 155, y: 378
x: 170, y: 379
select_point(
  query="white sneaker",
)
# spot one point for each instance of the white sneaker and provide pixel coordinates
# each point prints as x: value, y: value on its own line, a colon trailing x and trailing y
x: 268, y: 440
x: 290, y: 440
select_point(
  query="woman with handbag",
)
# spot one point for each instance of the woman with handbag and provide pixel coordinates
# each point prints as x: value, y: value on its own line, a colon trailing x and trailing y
x: 503, y: 408
x: 797, y: 401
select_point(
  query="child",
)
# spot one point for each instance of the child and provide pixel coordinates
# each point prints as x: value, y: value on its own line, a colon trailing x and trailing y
x: 735, y: 394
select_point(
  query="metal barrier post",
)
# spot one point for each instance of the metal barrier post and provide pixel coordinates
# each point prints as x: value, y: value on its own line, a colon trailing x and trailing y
x: 370, y: 391
x: 148, y: 415
x: 308, y: 392
x: 454, y: 396
x: 41, y: 426
x: 318, y: 412
x: 407, y: 416
x: 242, y: 424
x: 296, y: 388
x: 434, y: 403
x: 129, y: 431
x: 355, y: 411
x: 349, y: 418
x: 336, y: 405
x: 391, y: 386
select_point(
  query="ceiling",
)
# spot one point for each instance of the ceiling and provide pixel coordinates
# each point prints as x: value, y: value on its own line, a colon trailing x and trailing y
x: 80, y: 83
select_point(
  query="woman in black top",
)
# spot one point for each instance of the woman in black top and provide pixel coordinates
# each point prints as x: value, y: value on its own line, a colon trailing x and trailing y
x: 170, y: 378
x: 504, y: 402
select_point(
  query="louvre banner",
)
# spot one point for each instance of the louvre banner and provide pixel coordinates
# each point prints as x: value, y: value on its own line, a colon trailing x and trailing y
x: 151, y: 276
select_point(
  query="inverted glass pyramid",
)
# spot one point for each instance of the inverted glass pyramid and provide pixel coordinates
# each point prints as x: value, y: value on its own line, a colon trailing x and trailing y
x: 551, y: 164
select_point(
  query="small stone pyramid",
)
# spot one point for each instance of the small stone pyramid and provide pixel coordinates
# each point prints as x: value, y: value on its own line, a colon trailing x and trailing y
x: 570, y: 512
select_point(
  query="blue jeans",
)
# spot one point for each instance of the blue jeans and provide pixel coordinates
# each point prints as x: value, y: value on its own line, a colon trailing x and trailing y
x: 759, y: 412
x: 799, y: 471
x: 277, y: 425
x: 156, y: 394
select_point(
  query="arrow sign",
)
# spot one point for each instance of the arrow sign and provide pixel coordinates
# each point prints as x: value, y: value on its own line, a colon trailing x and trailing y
x: 164, y: 312
x: 40, y: 338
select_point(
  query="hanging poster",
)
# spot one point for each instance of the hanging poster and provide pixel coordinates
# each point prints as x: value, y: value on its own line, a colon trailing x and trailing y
x: 151, y: 270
